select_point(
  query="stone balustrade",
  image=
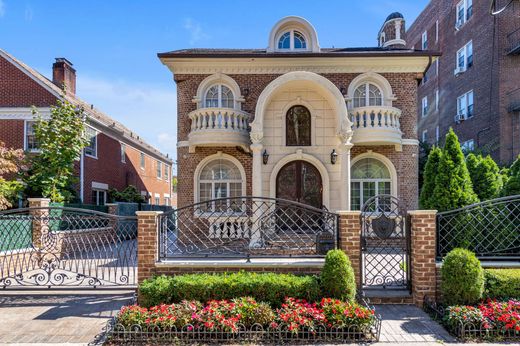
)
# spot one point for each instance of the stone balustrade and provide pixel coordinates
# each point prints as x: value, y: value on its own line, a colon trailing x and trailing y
x: 376, y: 125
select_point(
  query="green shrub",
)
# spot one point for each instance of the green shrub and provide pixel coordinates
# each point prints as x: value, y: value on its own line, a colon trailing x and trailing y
x: 271, y: 288
x: 337, y: 276
x: 462, y: 278
x: 502, y: 283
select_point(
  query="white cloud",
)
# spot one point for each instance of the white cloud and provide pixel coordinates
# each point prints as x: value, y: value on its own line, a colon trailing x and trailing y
x: 195, y: 31
x: 149, y: 110
x: 2, y: 8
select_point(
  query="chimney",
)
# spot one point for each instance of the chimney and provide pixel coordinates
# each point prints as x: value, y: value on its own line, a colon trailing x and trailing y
x: 64, y: 75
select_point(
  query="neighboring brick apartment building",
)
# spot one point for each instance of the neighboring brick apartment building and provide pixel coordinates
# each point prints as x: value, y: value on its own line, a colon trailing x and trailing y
x: 116, y: 156
x: 323, y: 126
x: 474, y: 86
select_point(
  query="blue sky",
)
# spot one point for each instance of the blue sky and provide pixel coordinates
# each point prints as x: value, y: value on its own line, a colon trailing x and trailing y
x: 113, y: 43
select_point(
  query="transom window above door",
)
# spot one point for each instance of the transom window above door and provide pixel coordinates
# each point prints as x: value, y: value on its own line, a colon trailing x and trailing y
x: 219, y: 96
x: 220, y: 178
x: 369, y: 177
x: 367, y: 94
x: 292, y: 40
x: 298, y: 126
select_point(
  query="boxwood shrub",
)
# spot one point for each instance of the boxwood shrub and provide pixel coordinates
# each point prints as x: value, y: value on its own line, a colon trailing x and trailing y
x: 271, y: 288
x: 337, y: 276
x: 502, y: 283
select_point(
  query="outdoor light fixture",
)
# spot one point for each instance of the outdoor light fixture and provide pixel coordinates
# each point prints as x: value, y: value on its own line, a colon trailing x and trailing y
x: 245, y: 92
x: 343, y: 90
x: 333, y: 156
x: 265, y: 156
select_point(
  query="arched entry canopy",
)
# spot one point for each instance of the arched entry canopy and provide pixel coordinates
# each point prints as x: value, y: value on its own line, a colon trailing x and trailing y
x: 303, y: 78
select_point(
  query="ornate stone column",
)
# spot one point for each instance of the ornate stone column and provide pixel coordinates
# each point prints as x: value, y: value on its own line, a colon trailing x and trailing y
x: 256, y: 176
x: 345, y: 175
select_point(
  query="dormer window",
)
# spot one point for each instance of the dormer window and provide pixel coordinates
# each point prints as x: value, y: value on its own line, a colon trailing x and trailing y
x: 292, y: 40
x: 219, y: 96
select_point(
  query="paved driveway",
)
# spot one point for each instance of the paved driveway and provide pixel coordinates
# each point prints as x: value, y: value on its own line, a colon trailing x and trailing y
x: 57, y: 316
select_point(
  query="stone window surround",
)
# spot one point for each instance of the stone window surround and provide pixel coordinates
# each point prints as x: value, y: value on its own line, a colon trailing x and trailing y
x: 218, y: 156
x: 386, y: 161
x: 216, y: 79
x: 292, y: 23
x: 372, y: 78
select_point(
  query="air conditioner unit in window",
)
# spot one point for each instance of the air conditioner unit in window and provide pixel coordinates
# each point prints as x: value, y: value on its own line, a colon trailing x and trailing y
x: 460, y: 117
x: 459, y: 70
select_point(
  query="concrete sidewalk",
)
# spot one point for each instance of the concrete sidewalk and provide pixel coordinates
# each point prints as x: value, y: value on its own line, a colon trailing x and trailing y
x: 58, y: 316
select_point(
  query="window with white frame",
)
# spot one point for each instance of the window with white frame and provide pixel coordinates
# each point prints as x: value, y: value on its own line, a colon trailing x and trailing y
x: 99, y: 197
x: 424, y: 40
x: 159, y: 169
x: 166, y: 172
x: 464, y: 12
x: 367, y: 94
x: 468, y: 146
x: 123, y: 153
x: 369, y: 177
x: 31, y: 144
x: 167, y: 201
x: 292, y: 40
x: 424, y: 136
x: 465, y: 57
x: 436, y: 100
x: 424, y: 108
x: 157, y: 200
x: 91, y: 148
x: 219, y: 96
x: 219, y: 178
x: 465, y: 105
x: 142, y: 160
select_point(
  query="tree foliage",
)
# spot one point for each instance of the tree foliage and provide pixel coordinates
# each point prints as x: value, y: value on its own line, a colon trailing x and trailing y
x: 485, y: 176
x: 512, y: 186
x: 431, y: 169
x: 11, y: 162
x: 129, y: 194
x: 60, y: 138
x: 453, y: 187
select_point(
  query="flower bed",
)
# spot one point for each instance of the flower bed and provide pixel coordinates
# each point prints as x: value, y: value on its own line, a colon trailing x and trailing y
x: 245, y: 319
x: 489, y: 320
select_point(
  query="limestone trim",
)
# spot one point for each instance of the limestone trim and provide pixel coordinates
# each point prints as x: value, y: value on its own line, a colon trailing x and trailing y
x: 331, y: 93
x: 373, y: 78
x: 281, y: 65
x: 292, y: 23
x: 299, y: 155
x: 394, y: 42
x: 298, y: 101
x: 218, y: 156
x: 386, y: 161
x: 218, y: 78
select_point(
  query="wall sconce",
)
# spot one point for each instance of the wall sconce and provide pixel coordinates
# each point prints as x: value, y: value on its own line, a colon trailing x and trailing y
x: 333, y: 157
x: 343, y: 90
x: 245, y: 92
x: 265, y: 157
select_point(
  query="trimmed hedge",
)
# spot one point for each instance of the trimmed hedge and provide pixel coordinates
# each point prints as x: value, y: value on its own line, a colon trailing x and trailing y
x: 337, y: 276
x: 502, y: 283
x: 271, y: 288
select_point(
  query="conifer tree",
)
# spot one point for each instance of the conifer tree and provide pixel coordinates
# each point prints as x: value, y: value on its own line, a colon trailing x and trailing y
x: 485, y: 176
x: 512, y: 186
x: 453, y: 187
x: 431, y: 170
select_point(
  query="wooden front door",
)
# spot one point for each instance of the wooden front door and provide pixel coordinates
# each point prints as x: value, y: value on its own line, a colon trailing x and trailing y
x: 300, y: 181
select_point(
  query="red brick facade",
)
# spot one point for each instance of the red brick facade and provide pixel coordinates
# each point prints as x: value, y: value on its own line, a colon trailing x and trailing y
x: 21, y: 90
x: 493, y: 77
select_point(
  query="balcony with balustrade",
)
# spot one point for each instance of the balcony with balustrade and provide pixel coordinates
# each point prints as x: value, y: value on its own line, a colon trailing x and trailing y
x: 376, y: 125
x: 212, y: 127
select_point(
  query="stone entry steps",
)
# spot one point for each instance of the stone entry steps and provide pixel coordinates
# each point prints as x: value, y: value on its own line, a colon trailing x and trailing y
x: 388, y: 296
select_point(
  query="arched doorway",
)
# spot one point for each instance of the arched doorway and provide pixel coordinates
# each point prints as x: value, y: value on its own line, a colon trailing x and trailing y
x: 300, y: 181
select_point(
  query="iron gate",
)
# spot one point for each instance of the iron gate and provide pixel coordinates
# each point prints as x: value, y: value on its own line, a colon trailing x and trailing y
x: 53, y: 246
x: 247, y: 227
x: 385, y: 244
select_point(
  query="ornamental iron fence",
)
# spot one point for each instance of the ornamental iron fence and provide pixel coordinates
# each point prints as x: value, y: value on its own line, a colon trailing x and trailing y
x: 247, y: 227
x: 56, y: 246
x: 491, y: 229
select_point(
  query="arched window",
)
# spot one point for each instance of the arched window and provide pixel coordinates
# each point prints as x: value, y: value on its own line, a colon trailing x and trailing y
x: 299, y: 41
x: 367, y: 94
x: 219, y: 178
x: 298, y: 126
x: 219, y: 96
x: 285, y: 41
x: 369, y: 177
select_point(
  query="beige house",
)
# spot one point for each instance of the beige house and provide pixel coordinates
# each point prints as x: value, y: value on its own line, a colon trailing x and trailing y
x: 328, y: 127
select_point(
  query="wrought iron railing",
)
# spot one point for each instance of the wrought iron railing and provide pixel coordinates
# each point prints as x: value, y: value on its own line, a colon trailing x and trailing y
x: 246, y: 227
x: 54, y: 246
x: 491, y: 229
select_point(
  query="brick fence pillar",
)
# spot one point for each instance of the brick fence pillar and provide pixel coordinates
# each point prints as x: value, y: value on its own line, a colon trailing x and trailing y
x: 112, y: 208
x: 147, y: 247
x: 423, y: 233
x: 40, y: 219
x: 350, y: 239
